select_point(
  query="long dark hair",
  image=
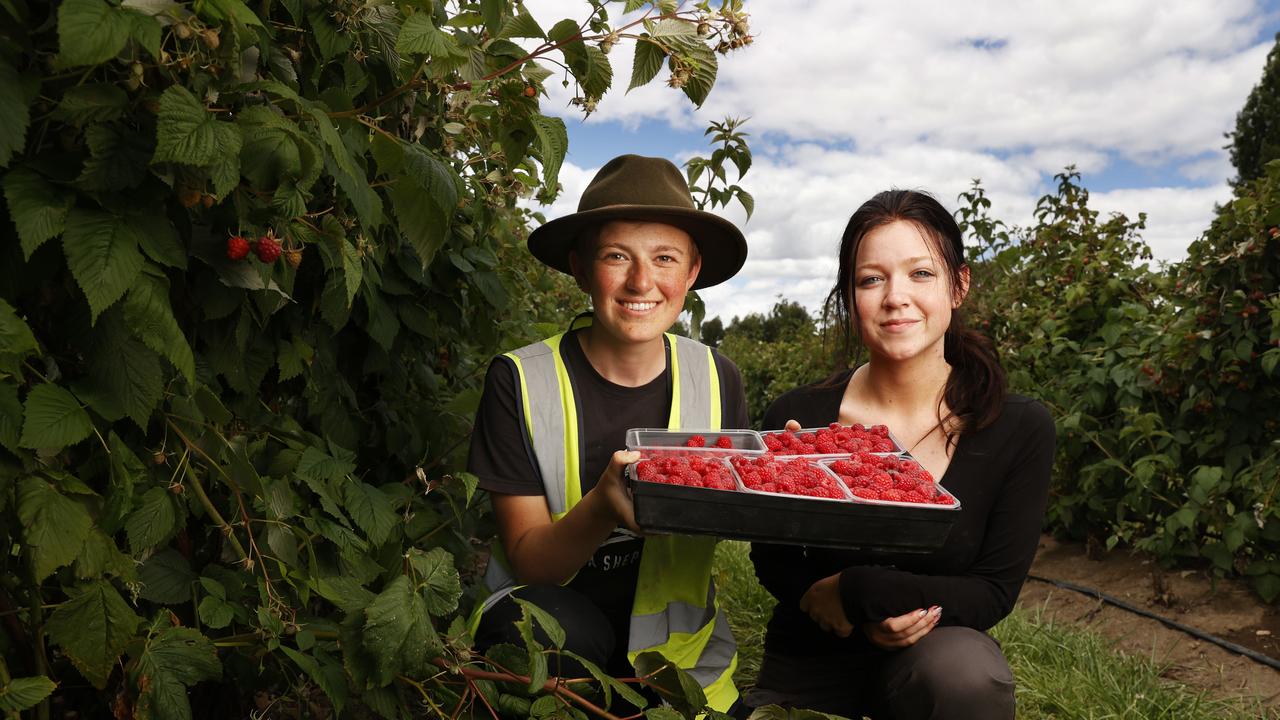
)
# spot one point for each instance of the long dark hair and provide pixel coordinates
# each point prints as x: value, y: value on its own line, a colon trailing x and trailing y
x: 975, y: 391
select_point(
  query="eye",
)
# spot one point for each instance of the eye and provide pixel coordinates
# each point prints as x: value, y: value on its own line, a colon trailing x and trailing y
x: 668, y: 259
x: 867, y: 281
x: 923, y: 273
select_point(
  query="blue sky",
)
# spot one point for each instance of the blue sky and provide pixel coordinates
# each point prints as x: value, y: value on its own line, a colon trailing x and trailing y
x: 847, y: 97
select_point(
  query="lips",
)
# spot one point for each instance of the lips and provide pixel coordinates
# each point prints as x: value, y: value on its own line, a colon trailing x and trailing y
x: 638, y: 306
x: 900, y: 324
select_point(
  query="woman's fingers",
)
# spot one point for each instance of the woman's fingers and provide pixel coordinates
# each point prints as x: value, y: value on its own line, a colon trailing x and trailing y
x: 792, y: 425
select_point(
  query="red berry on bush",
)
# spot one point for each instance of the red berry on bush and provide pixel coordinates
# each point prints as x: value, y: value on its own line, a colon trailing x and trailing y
x: 267, y: 249
x: 237, y: 248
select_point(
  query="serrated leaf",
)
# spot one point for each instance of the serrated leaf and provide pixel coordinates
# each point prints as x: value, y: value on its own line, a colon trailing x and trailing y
x: 224, y: 171
x: 125, y: 370
x: 316, y: 463
x: 145, y: 31
x: 673, y: 684
x: 155, y: 520
x: 331, y: 42
x: 746, y: 200
x: 398, y: 632
x: 37, y: 209
x: 15, y: 335
x: 172, y: 661
x: 92, y: 103
x: 521, y: 25
x: 117, y: 159
x: 371, y: 510
x: 545, y: 620
x: 671, y: 27
x: 16, y: 93
x: 53, y: 418
x: 646, y: 63
x: 351, y: 179
x: 553, y: 143
x: 102, y: 254
x: 93, y: 628
x: 599, y: 75
x: 420, y: 36
x: 328, y: 676
x: 215, y: 612
x: 90, y: 32
x: 124, y: 469
x: 166, y: 578
x: 608, y: 683
x: 703, y: 65
x: 149, y: 316
x: 424, y: 225
x: 186, y: 133
x: 54, y: 526
x: 234, y: 10
x: 344, y: 592
x: 292, y: 357
x: 24, y: 693
x: 436, y: 571
x: 99, y: 556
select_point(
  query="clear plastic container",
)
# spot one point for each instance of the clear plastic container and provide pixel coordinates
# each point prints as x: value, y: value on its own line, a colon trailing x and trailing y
x: 657, y: 442
x: 845, y: 496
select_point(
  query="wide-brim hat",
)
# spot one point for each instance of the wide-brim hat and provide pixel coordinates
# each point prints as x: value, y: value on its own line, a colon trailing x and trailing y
x: 633, y: 187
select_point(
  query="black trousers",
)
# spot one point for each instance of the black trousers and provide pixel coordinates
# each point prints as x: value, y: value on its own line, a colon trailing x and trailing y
x: 953, y: 673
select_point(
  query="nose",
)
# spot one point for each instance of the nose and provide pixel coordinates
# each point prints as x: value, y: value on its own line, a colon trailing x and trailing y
x: 893, y: 294
x: 640, y: 277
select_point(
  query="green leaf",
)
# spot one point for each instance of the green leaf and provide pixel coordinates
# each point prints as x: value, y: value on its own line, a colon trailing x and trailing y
x: 436, y: 571
x: 647, y: 62
x: 316, y: 463
x: 16, y: 93
x: 674, y: 685
x: 234, y: 10
x: 419, y: 36
x: 84, y: 104
x: 702, y: 61
x: 352, y: 269
x: 99, y: 556
x: 371, y: 510
x: 398, y: 632
x: 224, y: 171
x: 216, y: 612
x: 350, y: 178
x: 553, y: 141
x: 521, y: 25
x: 424, y: 225
x: 155, y: 520
x: 24, y: 693
x: 166, y: 578
x: 124, y: 370
x: 327, y: 675
x: 93, y: 628
x: 145, y: 31
x: 292, y: 357
x: 344, y: 592
x: 186, y: 133
x: 90, y: 32
x: 172, y: 661
x: 331, y: 42
x: 53, y: 419
x: 10, y: 419
x: 599, y: 72
x: 149, y: 316
x: 545, y: 620
x: 117, y: 159
x: 746, y: 200
x: 102, y: 254
x: 15, y: 336
x: 37, y: 209
x: 124, y: 471
x: 54, y: 526
x: 1268, y: 586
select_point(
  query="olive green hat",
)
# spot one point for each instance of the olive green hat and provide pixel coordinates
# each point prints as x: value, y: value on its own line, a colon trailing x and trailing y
x: 632, y: 187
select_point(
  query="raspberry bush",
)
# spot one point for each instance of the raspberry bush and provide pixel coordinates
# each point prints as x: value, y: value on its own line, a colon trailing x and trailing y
x: 231, y: 484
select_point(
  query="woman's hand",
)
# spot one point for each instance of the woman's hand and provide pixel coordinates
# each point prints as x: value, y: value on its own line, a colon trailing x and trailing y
x: 792, y: 425
x: 822, y: 602
x: 904, y: 630
x: 612, y: 486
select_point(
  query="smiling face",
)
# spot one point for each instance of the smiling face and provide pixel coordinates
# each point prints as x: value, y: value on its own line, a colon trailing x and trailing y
x: 902, y: 293
x: 637, y: 274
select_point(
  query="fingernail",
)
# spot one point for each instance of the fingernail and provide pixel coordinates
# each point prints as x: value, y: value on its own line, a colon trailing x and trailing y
x: 923, y: 613
x: 936, y: 609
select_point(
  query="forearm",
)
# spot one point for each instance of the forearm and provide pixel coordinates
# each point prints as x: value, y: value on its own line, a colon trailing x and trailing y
x: 551, y: 553
x: 871, y: 594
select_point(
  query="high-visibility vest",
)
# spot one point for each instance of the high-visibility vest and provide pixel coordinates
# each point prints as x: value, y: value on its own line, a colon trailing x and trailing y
x: 675, y: 611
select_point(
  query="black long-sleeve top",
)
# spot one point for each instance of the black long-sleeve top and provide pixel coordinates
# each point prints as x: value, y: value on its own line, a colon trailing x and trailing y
x: 1000, y: 475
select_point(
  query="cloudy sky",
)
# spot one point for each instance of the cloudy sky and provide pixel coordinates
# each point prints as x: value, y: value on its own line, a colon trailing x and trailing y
x: 849, y: 97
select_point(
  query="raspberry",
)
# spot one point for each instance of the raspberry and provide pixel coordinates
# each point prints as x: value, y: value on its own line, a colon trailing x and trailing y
x: 686, y: 471
x: 237, y: 248
x: 293, y: 257
x: 724, y: 441
x: 695, y: 441
x: 267, y: 249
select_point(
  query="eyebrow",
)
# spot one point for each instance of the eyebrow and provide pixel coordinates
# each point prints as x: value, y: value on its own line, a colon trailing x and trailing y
x: 909, y: 261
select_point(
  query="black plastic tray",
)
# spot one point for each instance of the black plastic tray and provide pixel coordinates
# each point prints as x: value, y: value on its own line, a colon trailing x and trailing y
x: 788, y: 519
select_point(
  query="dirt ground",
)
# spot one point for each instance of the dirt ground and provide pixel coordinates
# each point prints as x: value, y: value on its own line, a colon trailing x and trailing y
x: 1228, y: 610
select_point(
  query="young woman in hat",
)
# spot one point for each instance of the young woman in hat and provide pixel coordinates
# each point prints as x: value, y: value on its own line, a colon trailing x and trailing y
x: 554, y: 416
x: 896, y: 635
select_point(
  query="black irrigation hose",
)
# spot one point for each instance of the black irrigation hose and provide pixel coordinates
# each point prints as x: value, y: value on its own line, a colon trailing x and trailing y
x: 1225, y: 644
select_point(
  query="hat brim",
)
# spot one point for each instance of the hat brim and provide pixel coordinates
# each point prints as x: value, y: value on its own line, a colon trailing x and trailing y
x: 721, y: 245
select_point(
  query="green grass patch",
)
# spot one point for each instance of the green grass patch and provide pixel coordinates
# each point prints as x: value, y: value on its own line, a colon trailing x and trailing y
x: 1061, y: 672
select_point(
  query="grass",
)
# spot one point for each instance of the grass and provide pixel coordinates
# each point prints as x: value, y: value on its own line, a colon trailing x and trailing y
x: 1061, y: 672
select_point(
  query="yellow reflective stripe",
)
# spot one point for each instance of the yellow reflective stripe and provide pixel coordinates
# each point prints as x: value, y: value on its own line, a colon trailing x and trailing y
x: 714, y: 390
x: 524, y: 393
x: 673, y: 421
x: 572, y: 482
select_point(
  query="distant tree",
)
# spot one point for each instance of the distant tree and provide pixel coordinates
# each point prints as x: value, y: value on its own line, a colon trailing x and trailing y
x: 1256, y: 140
x: 787, y: 319
x: 680, y: 328
x: 713, y: 331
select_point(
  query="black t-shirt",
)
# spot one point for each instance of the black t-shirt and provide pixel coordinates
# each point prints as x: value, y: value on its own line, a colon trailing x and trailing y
x: 1000, y: 475
x: 501, y: 459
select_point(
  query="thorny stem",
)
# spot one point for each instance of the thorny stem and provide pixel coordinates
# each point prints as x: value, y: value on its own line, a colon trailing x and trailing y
x: 554, y: 686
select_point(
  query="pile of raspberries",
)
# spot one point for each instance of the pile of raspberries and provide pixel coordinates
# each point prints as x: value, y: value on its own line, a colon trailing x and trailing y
x: 886, y: 477
x: 697, y: 441
x: 687, y: 471
x: 835, y: 439
x: 793, y: 477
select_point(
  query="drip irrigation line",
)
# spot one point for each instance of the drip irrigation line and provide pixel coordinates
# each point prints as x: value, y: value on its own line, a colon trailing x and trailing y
x: 1225, y: 644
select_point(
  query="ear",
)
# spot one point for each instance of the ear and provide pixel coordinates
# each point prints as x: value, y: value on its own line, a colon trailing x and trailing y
x: 694, y: 269
x: 579, y: 270
x: 961, y: 291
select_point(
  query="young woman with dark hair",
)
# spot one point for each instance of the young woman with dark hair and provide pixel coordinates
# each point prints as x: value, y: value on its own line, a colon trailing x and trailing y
x: 900, y: 635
